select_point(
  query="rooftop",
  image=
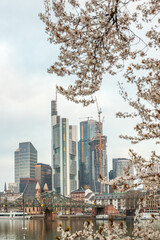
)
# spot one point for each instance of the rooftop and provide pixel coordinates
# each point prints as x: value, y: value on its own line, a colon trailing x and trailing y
x: 80, y: 190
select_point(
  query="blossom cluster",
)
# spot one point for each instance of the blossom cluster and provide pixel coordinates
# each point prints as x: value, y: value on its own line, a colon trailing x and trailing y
x: 93, y: 39
x: 107, y: 231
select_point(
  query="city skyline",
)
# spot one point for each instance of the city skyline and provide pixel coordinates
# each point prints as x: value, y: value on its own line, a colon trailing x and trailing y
x: 27, y: 89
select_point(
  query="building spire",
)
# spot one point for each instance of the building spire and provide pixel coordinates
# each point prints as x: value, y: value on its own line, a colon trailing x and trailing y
x: 5, y: 187
x: 45, y: 189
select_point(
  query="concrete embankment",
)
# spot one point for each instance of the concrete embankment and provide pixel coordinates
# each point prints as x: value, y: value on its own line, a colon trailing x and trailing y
x: 37, y: 216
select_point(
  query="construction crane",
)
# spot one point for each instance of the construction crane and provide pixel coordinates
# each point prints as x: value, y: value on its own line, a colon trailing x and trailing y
x: 100, y: 140
x: 88, y: 118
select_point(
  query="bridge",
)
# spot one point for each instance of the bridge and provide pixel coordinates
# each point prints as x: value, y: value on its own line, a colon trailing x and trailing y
x: 50, y: 200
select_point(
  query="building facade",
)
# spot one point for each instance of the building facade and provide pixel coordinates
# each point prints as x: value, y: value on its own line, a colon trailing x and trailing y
x: 64, y: 151
x: 27, y: 186
x: 98, y: 164
x: 43, y: 174
x: 25, y: 159
x: 13, y: 187
x: 92, y: 155
x: 119, y: 164
x: 88, y: 131
x: 116, y: 199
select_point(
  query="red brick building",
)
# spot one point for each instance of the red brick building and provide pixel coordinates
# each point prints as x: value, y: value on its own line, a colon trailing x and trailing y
x: 79, y: 196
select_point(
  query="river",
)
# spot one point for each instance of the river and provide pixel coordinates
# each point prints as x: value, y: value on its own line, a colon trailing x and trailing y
x: 42, y: 230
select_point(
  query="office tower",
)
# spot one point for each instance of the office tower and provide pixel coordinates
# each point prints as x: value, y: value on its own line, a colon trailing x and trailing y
x: 64, y: 153
x: 98, y: 163
x: 27, y: 186
x: 43, y: 174
x: 119, y: 164
x: 25, y: 160
x: 88, y: 131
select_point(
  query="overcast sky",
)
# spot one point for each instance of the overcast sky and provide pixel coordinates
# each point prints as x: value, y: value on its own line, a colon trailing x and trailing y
x: 26, y: 90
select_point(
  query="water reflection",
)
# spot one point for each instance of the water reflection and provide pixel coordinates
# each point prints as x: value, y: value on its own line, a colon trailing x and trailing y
x: 41, y: 230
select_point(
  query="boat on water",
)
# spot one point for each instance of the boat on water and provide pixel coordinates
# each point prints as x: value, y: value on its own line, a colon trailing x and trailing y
x: 149, y: 215
x: 102, y: 217
x: 14, y: 215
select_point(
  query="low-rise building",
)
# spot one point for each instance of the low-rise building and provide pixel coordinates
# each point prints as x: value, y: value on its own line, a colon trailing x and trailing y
x: 13, y: 187
x: 152, y: 203
x: 78, y: 195
x: 82, y: 195
x: 116, y: 199
x: 89, y: 196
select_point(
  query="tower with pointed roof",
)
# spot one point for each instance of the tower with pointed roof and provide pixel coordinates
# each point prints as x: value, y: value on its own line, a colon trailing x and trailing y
x: 38, y: 191
x: 45, y: 189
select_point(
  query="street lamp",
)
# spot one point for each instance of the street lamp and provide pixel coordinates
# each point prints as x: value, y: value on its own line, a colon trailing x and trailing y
x: 23, y: 227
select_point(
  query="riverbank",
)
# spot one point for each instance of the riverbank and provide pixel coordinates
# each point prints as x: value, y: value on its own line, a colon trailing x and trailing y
x: 84, y: 217
x: 90, y: 217
x: 37, y: 216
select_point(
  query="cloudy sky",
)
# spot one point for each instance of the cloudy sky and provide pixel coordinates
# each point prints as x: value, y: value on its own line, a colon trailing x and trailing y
x: 26, y: 90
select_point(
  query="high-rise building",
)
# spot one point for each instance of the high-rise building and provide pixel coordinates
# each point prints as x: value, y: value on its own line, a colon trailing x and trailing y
x: 25, y: 159
x: 64, y: 153
x: 43, y: 174
x: 98, y: 163
x: 88, y: 131
x: 27, y: 186
x: 118, y: 166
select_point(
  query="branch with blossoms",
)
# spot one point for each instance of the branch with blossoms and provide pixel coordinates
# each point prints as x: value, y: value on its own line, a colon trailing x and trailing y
x: 147, y: 103
x: 107, y: 231
x: 94, y: 39
x: 112, y: 231
x: 146, y: 172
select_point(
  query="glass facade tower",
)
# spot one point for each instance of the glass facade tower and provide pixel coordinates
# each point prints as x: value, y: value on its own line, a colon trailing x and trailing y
x: 64, y: 152
x: 95, y: 164
x: 25, y: 159
x: 89, y: 155
x: 88, y: 131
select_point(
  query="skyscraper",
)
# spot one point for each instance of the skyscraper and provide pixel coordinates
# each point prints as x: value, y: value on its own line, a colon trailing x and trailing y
x: 119, y: 164
x: 25, y: 159
x: 88, y: 131
x: 98, y: 163
x: 64, y: 153
x: 43, y: 174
